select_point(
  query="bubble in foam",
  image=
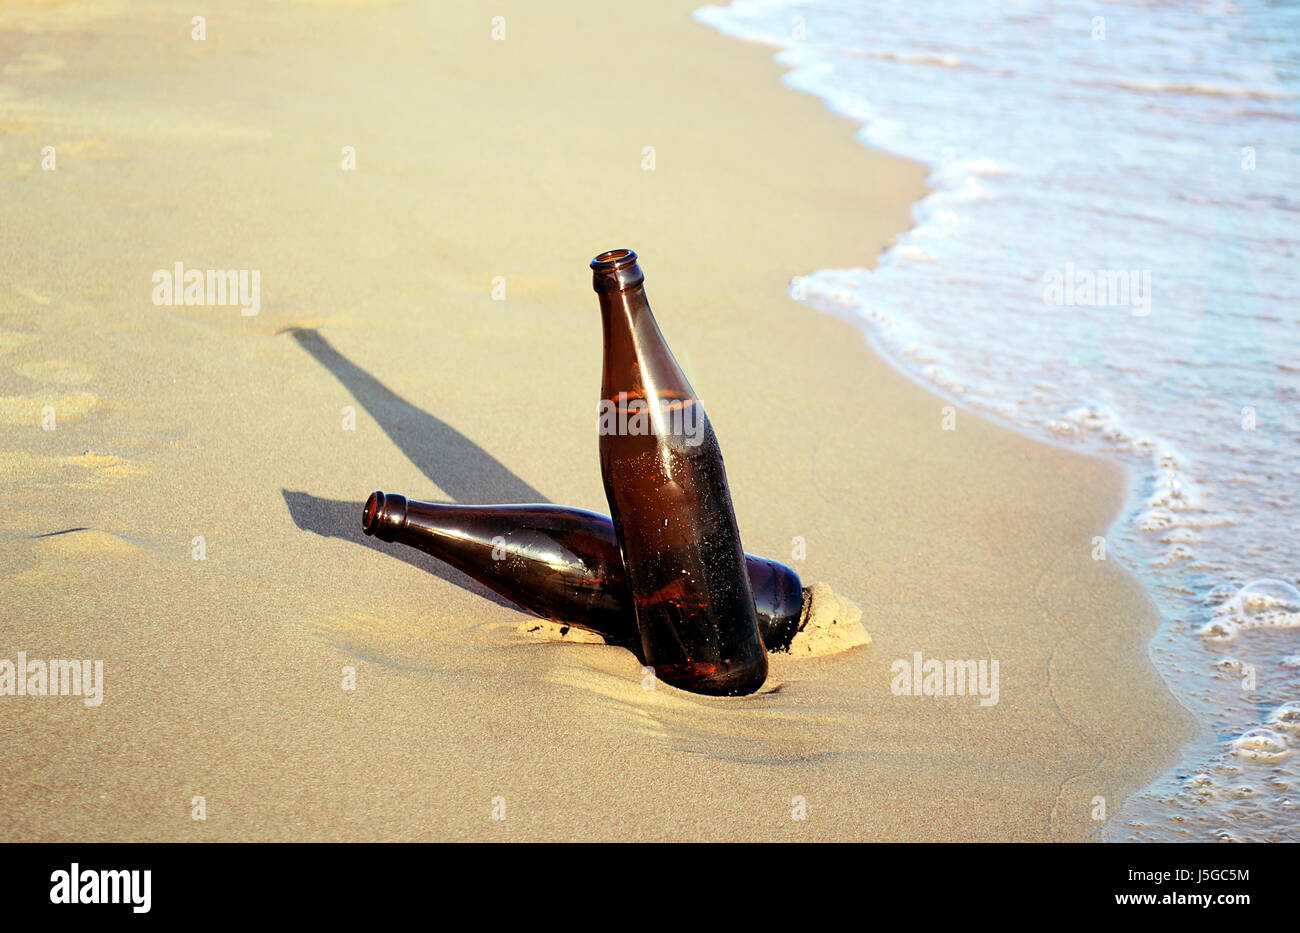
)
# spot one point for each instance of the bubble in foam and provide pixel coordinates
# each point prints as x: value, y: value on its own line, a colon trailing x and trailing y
x: 1220, y: 594
x: 1170, y: 493
x: 1175, y: 555
x: 1219, y: 630
x: 1260, y: 745
x: 1154, y: 520
x: 1270, y: 603
x: 1262, y: 604
x: 1286, y: 717
x: 909, y: 252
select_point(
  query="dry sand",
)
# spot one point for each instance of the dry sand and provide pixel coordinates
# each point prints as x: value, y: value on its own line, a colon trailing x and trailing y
x: 478, y: 158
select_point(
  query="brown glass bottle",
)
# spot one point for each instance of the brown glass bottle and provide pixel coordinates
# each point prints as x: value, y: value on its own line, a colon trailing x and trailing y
x: 561, y: 563
x: 669, y: 501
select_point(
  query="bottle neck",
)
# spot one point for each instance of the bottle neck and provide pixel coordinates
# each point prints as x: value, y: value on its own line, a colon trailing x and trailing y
x: 638, y: 364
x: 396, y: 519
x: 622, y: 316
x: 456, y: 534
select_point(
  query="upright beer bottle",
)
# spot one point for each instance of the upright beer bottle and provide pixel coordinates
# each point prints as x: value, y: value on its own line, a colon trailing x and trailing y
x: 669, y: 501
x: 561, y: 563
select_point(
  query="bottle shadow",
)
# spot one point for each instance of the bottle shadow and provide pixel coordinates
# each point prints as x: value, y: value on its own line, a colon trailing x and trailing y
x: 457, y: 465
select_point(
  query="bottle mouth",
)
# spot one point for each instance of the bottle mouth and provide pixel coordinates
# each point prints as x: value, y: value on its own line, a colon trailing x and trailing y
x: 616, y: 270
x: 384, y: 515
x: 613, y: 259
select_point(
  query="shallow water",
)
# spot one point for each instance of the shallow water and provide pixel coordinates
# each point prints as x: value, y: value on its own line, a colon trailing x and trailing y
x: 1108, y: 260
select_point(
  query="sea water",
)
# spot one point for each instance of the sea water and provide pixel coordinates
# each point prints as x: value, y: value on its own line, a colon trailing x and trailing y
x: 1109, y: 259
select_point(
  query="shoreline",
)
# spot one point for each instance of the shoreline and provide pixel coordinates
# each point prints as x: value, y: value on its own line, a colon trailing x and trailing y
x: 377, y: 295
x: 1142, y: 474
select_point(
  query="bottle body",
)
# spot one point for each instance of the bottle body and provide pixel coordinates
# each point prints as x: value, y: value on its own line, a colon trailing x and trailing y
x: 669, y: 501
x: 561, y: 563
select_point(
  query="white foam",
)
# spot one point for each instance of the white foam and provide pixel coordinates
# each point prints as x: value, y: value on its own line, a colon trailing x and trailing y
x: 1261, y: 745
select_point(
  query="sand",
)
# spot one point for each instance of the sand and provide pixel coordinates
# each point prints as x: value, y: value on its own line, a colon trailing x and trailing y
x: 381, y: 359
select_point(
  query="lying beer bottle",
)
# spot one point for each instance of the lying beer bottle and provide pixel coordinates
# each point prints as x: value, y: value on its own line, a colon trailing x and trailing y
x: 668, y: 498
x: 561, y: 563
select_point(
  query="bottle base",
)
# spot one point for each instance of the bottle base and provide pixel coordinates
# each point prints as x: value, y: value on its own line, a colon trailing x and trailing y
x: 712, y: 679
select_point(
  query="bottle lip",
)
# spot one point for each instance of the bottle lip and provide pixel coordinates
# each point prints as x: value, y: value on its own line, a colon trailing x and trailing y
x: 613, y: 259
x: 383, y: 515
x: 616, y: 270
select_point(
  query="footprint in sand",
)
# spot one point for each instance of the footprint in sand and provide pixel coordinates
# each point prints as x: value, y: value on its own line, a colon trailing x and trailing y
x: 34, y: 63
x: 56, y: 372
x: 88, y: 471
x: 35, y: 17
x: 104, y: 464
x: 25, y: 410
x: 85, y: 150
x: 30, y: 294
x: 13, y: 339
x: 83, y: 542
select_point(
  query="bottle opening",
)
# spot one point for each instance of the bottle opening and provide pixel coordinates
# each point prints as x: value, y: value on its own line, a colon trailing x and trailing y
x: 384, y: 515
x: 613, y: 259
x: 370, y: 517
x: 614, y: 270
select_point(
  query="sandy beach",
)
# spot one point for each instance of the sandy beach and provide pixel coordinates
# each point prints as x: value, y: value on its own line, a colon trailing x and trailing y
x: 426, y: 326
